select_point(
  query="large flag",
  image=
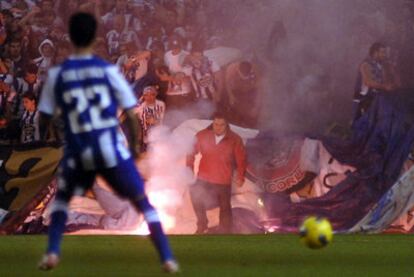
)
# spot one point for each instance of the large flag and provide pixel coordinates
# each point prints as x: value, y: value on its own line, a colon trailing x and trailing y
x: 26, y: 174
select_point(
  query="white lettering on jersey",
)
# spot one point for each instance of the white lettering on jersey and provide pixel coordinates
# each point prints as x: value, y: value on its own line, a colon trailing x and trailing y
x: 83, y: 74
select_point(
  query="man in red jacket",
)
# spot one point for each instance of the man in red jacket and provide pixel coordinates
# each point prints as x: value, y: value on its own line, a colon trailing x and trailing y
x: 222, y: 151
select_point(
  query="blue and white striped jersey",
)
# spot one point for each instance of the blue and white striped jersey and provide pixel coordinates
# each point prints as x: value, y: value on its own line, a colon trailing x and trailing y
x: 87, y: 92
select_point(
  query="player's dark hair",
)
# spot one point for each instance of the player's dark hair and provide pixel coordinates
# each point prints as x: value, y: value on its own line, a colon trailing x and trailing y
x: 82, y: 29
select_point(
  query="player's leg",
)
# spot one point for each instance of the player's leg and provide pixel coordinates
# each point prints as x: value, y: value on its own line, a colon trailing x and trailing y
x: 127, y: 182
x: 70, y: 182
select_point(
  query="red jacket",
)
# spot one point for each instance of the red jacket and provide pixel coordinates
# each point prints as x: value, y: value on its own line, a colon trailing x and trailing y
x: 219, y: 160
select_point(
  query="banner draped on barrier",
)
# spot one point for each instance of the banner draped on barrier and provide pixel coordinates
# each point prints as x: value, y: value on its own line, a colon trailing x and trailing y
x: 26, y: 174
x: 368, y: 193
x: 380, y: 144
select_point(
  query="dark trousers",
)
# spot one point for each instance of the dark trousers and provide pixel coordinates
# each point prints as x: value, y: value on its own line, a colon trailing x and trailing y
x: 206, y: 196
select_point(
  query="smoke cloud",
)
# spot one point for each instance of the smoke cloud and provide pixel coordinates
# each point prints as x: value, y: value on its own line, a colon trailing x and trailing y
x: 309, y: 52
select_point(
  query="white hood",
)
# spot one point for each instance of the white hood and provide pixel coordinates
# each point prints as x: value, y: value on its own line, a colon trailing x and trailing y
x: 46, y: 41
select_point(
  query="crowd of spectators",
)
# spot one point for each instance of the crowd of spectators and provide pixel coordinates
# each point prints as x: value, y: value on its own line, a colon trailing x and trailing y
x: 164, y: 48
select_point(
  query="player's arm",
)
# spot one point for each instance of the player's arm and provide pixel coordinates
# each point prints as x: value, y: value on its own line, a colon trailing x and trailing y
x: 127, y: 101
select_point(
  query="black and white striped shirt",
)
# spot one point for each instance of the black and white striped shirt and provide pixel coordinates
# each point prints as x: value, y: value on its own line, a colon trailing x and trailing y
x: 29, y: 124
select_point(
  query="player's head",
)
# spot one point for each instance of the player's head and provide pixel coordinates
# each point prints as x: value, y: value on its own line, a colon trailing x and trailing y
x: 82, y: 29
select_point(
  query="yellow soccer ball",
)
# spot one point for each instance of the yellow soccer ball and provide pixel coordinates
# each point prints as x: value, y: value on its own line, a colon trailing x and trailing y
x: 316, y: 232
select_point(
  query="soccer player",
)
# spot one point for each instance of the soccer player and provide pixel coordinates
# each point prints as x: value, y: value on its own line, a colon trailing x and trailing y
x: 88, y: 91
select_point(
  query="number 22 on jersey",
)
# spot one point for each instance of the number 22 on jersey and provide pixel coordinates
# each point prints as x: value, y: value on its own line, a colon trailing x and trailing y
x: 87, y: 116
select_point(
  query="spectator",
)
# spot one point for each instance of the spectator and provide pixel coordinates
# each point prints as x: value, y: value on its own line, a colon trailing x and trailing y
x: 8, y: 17
x: 189, y: 36
x: 137, y: 12
x: 203, y: 74
x: 174, y: 58
x: 128, y: 50
x: 142, y: 71
x: 120, y: 8
x: 38, y: 28
x: 17, y: 62
x: 7, y: 94
x: 127, y: 35
x: 119, y: 35
x: 157, y: 53
x: 375, y: 75
x: 30, y: 82
x: 57, y: 35
x: 12, y: 25
x: 113, y: 37
x: 155, y: 35
x: 220, y: 150
x: 51, y: 20
x: 150, y: 112
x: 46, y: 5
x: 46, y: 59
x: 29, y: 122
x: 244, y: 97
x: 23, y: 85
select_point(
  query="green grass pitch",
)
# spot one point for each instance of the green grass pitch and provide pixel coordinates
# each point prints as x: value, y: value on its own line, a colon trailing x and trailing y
x: 236, y: 255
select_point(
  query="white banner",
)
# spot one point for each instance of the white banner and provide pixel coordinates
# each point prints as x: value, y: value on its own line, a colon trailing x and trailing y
x: 396, y: 202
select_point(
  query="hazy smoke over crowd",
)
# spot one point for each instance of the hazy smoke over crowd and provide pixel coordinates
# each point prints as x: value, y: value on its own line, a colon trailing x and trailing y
x: 309, y: 51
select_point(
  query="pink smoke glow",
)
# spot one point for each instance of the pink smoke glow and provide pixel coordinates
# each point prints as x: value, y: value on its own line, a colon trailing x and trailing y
x: 167, y: 176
